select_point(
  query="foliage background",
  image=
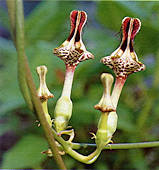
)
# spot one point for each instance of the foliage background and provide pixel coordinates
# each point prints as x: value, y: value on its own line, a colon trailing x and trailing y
x: 46, y: 27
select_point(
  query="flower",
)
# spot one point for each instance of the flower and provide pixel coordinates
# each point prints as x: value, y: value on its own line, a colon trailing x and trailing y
x: 72, y: 51
x: 105, y: 104
x: 124, y: 60
x: 43, y: 91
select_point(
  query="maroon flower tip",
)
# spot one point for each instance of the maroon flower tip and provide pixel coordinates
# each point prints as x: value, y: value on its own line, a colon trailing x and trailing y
x: 82, y: 21
x: 77, y: 19
x: 130, y: 27
x: 136, y: 27
x: 125, y: 26
x: 130, y: 22
x: 73, y: 18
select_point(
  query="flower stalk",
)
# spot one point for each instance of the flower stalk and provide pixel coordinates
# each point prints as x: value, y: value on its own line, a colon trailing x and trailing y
x: 119, y: 83
x: 138, y: 145
x: 63, y: 108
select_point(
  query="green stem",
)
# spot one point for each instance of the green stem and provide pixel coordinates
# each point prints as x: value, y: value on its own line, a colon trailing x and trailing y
x: 45, y: 109
x: 20, y: 50
x: 119, y: 145
x: 68, y: 149
x: 11, y: 13
x: 22, y: 59
x: 110, y: 146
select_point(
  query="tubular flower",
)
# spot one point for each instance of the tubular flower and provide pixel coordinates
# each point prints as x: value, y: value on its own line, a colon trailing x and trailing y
x: 105, y: 104
x: 124, y: 60
x: 108, y: 120
x: 72, y: 51
x: 43, y: 91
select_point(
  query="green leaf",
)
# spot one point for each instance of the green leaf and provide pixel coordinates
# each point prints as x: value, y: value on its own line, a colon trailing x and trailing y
x: 4, y: 18
x: 25, y: 154
x: 125, y: 118
x: 46, y: 20
x: 111, y: 14
x: 9, y: 123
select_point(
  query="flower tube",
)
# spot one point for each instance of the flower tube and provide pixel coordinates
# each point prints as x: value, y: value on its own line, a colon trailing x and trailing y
x: 72, y: 52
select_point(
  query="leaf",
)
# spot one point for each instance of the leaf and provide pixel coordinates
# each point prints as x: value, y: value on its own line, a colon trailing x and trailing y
x: 137, y: 159
x: 25, y: 154
x: 46, y: 20
x: 116, y: 11
x: 9, y: 123
x: 83, y: 112
x: 125, y: 118
x: 4, y: 18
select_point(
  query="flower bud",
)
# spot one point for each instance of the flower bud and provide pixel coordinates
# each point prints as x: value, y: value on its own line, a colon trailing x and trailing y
x: 105, y: 104
x: 43, y: 91
x: 62, y: 113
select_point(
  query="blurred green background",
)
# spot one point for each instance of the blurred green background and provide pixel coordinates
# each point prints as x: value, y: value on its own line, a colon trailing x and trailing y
x: 46, y: 27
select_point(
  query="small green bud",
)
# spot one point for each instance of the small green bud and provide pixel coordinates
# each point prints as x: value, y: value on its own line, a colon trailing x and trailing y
x: 105, y: 104
x: 62, y: 113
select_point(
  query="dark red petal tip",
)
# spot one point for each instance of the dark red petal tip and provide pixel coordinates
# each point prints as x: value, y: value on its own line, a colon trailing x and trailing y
x: 82, y: 20
x: 136, y: 27
x: 125, y: 26
x: 81, y: 16
x: 73, y: 18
